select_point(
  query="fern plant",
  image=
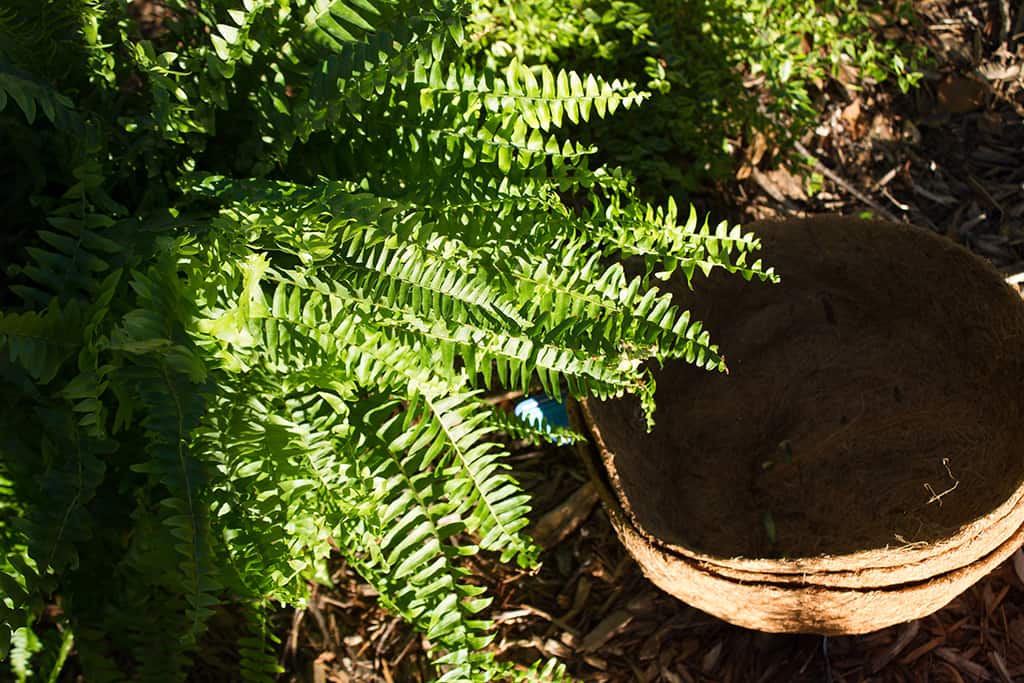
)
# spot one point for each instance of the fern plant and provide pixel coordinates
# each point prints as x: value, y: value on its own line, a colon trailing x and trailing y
x: 270, y: 254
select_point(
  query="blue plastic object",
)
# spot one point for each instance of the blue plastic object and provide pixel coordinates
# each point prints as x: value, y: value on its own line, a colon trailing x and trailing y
x: 544, y: 413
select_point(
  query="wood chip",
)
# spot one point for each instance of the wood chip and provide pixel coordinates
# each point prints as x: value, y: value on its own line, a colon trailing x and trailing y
x: 579, y: 600
x: 992, y: 603
x: 685, y: 675
x: 991, y: 155
x: 1000, y: 666
x: 651, y: 647
x: 608, y: 628
x: 319, y: 672
x: 995, y: 72
x: 954, y: 675
x: 768, y: 186
x: 963, y: 664
x: 922, y: 650
x: 906, y: 635
x: 643, y: 605
x: 555, y: 648
x: 708, y: 662
x: 1016, y: 631
x: 557, y: 524
x: 671, y: 677
x: 944, y: 199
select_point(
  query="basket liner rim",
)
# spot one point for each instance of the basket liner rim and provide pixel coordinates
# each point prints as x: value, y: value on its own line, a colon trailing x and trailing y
x: 779, y: 603
x: 884, y: 566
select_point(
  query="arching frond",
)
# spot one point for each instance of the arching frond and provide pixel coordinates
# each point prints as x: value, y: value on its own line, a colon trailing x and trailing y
x: 33, y: 97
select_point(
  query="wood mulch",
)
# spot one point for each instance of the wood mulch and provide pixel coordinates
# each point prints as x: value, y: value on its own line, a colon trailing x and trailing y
x: 590, y: 606
x: 949, y: 156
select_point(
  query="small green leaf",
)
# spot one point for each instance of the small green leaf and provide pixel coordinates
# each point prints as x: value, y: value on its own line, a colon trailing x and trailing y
x: 785, y: 70
x: 221, y: 47
x: 504, y: 159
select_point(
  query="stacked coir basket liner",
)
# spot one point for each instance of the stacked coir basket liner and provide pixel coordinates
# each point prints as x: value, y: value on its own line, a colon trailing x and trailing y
x: 860, y: 465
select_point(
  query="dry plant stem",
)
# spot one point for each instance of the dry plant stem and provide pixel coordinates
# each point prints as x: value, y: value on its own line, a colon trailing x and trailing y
x: 838, y: 180
x: 1005, y: 25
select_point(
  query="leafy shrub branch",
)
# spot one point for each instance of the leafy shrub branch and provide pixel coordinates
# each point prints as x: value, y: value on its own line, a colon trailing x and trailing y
x: 719, y: 70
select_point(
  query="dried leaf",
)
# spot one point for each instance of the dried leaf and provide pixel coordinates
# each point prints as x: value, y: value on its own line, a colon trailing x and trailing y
x: 960, y: 94
x: 851, y: 118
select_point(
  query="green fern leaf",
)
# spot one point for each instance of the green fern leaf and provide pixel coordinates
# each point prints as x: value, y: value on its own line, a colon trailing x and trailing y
x: 32, y: 95
x: 42, y: 342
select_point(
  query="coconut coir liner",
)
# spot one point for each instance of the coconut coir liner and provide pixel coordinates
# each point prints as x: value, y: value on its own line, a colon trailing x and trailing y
x: 872, y: 401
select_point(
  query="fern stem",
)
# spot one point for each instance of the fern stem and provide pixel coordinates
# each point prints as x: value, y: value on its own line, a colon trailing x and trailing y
x: 66, y: 642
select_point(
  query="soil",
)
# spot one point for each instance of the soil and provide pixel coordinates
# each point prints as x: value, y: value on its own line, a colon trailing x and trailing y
x: 948, y: 157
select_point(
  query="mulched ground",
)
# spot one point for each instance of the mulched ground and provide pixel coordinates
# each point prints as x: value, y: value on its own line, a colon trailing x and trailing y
x: 949, y: 156
x: 590, y: 606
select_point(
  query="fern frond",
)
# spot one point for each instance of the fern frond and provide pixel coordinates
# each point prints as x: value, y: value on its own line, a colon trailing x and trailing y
x: 172, y: 411
x: 57, y: 530
x: 361, y: 71
x: 511, y: 425
x: 42, y: 342
x: 475, y: 475
x: 271, y: 496
x: 335, y: 22
x: 24, y: 644
x: 19, y: 581
x: 489, y: 352
x: 33, y: 96
x: 542, y: 97
x: 257, y: 651
x: 655, y: 233
x: 47, y: 39
x: 163, y: 378
x: 230, y: 41
x: 593, y: 305
x: 338, y: 321
x: 414, y: 567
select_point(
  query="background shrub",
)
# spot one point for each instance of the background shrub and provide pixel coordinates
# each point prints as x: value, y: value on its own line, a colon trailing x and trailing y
x: 719, y: 70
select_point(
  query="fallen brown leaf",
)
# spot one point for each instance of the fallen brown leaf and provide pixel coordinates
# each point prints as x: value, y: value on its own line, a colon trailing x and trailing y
x: 961, y: 94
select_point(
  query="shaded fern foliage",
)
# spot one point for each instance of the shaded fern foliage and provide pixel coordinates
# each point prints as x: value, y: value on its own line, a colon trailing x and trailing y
x: 262, y: 261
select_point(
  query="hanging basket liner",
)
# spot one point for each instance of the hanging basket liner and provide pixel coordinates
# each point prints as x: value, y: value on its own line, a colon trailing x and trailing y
x: 861, y: 463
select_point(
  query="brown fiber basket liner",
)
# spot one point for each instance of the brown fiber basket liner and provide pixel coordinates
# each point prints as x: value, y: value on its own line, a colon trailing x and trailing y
x: 870, y: 418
